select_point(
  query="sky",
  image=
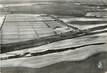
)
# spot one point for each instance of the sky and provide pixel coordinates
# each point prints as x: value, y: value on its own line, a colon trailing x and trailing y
x: 92, y: 1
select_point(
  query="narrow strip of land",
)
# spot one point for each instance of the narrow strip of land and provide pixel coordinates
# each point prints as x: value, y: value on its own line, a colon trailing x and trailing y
x: 48, y: 59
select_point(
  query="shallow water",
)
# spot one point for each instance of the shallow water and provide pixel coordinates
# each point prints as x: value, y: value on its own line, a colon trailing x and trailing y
x: 89, y: 65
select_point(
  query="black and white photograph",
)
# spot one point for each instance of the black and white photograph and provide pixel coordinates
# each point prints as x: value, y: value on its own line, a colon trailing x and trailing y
x: 53, y: 36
